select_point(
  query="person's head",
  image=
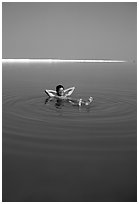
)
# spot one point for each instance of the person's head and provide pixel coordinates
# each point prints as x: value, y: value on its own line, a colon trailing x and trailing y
x: 60, y: 90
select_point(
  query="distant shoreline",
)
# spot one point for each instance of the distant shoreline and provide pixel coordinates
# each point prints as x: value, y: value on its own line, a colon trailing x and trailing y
x: 63, y: 60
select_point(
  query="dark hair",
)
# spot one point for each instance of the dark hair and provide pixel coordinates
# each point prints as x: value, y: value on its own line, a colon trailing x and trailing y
x: 58, y: 87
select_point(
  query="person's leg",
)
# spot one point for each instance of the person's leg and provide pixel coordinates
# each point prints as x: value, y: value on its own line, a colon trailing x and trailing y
x: 80, y: 101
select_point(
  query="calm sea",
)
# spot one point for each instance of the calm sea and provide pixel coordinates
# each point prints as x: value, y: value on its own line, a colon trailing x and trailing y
x: 60, y: 152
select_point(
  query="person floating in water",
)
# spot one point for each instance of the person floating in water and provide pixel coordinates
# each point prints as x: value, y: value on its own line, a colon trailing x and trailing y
x: 64, y: 94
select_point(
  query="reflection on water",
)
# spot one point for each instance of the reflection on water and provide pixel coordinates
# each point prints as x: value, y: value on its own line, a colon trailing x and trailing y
x: 59, y: 103
x: 53, y: 151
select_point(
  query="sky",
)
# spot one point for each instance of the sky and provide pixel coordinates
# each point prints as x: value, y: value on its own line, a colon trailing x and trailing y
x: 69, y: 30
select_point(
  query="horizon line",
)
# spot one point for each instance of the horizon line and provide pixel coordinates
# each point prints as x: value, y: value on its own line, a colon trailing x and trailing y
x: 43, y: 60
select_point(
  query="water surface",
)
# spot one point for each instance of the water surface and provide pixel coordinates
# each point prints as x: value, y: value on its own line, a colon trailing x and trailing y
x: 63, y: 153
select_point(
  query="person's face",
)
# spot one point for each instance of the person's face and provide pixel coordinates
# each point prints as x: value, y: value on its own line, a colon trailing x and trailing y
x: 61, y: 91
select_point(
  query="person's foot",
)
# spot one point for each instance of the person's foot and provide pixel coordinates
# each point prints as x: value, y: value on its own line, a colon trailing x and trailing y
x: 80, y: 102
x: 89, y: 100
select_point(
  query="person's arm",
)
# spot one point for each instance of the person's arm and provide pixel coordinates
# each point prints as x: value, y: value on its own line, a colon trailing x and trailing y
x: 69, y: 91
x: 50, y: 93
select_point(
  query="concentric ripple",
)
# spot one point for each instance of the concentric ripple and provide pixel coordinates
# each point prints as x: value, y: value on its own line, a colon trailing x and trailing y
x: 108, y: 106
